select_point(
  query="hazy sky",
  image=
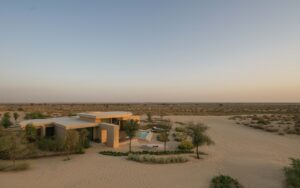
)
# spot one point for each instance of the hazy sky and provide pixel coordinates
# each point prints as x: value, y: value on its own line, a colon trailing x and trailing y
x: 150, y: 51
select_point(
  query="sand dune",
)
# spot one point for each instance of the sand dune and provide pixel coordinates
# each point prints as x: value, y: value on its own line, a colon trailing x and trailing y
x: 256, y: 158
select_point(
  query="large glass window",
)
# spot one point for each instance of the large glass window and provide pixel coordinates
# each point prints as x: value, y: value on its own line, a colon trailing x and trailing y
x: 50, y: 131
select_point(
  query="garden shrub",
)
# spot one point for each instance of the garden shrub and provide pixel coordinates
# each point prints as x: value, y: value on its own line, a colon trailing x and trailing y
x: 50, y: 144
x: 223, y: 181
x: 180, y: 129
x: 156, y: 160
x: 185, y: 145
x: 172, y: 152
x: 30, y: 132
x: 292, y: 174
x: 180, y: 136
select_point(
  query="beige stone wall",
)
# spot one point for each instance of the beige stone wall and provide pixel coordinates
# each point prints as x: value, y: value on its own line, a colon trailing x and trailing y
x: 112, y: 134
x: 60, y: 132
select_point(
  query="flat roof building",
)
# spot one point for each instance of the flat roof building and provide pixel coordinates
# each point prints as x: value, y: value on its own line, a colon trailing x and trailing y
x: 104, y: 127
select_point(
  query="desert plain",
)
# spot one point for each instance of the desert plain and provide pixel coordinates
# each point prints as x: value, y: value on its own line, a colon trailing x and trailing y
x: 256, y: 158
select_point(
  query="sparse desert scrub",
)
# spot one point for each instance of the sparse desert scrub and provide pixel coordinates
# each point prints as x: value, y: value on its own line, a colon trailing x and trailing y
x: 16, y: 167
x: 292, y: 174
x: 157, y: 108
x: 223, y: 181
x: 297, y: 125
x: 280, y: 124
x: 156, y: 160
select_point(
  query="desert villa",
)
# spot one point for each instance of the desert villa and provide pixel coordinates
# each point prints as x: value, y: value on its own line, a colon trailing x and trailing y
x: 105, y: 127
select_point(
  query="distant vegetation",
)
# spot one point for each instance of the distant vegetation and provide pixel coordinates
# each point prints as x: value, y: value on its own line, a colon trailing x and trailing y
x: 275, y: 123
x: 161, y: 108
x: 35, y: 115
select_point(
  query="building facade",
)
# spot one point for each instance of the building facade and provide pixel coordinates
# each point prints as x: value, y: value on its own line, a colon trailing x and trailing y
x: 104, y: 127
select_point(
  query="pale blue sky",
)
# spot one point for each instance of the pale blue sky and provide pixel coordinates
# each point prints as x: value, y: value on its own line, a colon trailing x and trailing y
x: 150, y: 51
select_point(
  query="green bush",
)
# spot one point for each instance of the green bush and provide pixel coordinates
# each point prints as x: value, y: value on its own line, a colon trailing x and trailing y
x: 30, y: 132
x: 173, y: 152
x: 292, y: 174
x: 5, y: 122
x: 156, y: 160
x: 114, y: 153
x: 185, y: 145
x: 50, y: 144
x: 222, y: 181
x: 180, y: 136
x: 180, y: 129
x: 16, y: 167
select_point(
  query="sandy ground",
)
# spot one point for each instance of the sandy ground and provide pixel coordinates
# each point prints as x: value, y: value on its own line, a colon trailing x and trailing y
x: 254, y: 157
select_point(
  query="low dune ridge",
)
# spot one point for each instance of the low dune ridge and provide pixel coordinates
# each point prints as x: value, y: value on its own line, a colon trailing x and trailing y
x: 255, y: 158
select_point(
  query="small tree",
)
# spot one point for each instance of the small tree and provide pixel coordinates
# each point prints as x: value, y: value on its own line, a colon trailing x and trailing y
x: 71, y: 142
x: 164, y: 137
x: 15, y: 146
x: 149, y: 117
x: 30, y: 132
x: 5, y: 122
x: 197, y: 132
x: 16, y: 116
x: 131, y: 128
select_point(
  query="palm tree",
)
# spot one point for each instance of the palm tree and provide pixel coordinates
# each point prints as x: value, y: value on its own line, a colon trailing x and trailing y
x: 197, y: 132
x: 164, y: 137
x: 131, y: 128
